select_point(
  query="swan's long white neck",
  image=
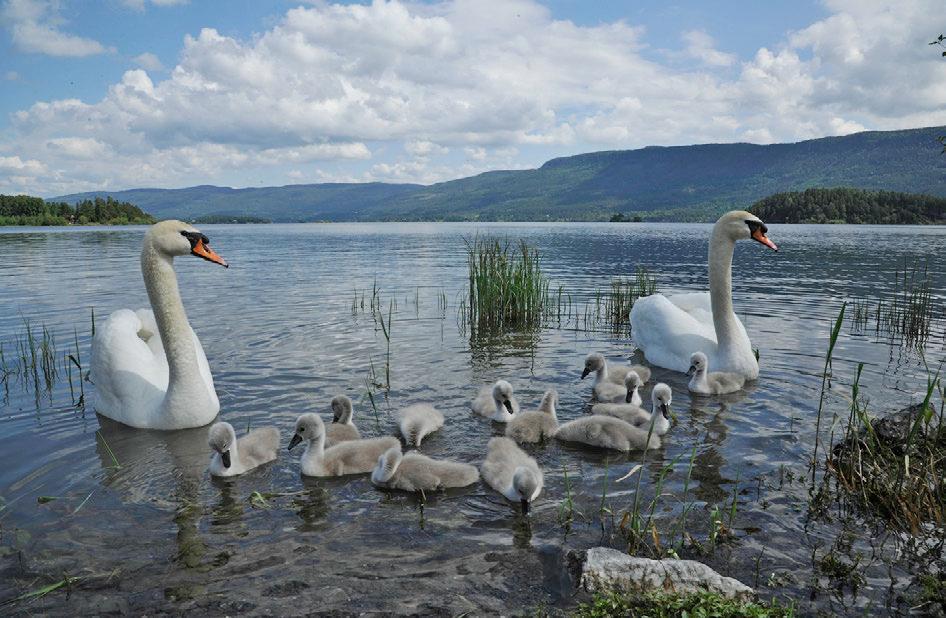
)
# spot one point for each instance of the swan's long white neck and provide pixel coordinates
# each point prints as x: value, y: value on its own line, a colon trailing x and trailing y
x: 720, y: 276
x: 184, y: 379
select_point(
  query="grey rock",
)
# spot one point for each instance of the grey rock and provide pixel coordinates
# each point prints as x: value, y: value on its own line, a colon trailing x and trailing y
x: 603, y: 568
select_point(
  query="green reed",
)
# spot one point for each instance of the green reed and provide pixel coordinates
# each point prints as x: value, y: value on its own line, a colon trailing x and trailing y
x: 506, y: 285
x: 906, y: 314
x: 900, y: 479
x: 832, y: 341
x: 614, y: 305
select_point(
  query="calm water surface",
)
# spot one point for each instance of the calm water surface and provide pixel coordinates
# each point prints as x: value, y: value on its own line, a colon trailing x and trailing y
x: 279, y: 330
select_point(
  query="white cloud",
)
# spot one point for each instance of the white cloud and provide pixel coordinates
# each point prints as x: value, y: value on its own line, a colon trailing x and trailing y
x: 149, y: 62
x: 700, y: 46
x: 139, y: 5
x: 16, y: 164
x: 463, y: 86
x: 34, y: 27
x: 424, y: 148
x: 11, y: 76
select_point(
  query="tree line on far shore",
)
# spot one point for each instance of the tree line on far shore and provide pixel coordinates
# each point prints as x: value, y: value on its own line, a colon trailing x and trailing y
x: 846, y: 205
x: 28, y: 210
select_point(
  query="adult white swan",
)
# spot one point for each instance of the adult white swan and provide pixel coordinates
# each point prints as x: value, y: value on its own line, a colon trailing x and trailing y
x: 670, y: 329
x: 148, y: 367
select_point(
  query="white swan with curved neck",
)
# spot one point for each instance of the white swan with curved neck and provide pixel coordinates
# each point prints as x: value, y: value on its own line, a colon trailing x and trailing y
x: 669, y: 329
x: 148, y: 367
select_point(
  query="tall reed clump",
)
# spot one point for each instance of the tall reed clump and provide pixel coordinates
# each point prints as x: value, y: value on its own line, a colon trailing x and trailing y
x: 906, y: 314
x: 506, y: 285
x: 624, y: 292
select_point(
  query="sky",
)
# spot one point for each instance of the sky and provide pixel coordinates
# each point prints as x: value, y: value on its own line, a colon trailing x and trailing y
x: 118, y: 94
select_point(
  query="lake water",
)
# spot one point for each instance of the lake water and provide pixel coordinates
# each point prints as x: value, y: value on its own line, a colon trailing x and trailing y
x: 156, y: 533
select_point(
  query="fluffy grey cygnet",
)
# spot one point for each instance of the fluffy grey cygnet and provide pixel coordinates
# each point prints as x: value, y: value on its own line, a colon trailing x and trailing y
x: 351, y: 457
x: 496, y: 402
x: 705, y: 382
x: 661, y: 398
x: 535, y: 425
x: 607, y: 432
x: 232, y: 456
x: 418, y: 421
x: 415, y: 472
x: 342, y: 427
x: 511, y: 472
x: 605, y: 371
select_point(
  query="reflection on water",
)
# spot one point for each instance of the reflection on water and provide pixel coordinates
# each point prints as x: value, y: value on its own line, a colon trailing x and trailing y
x: 135, y: 511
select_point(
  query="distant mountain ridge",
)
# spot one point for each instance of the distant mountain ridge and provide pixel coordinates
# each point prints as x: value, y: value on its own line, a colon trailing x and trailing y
x: 678, y: 183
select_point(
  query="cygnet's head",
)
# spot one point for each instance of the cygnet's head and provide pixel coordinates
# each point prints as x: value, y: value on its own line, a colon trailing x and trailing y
x: 526, y: 485
x: 341, y: 409
x: 174, y: 238
x: 662, y: 397
x: 502, y: 392
x: 549, y: 401
x: 742, y: 225
x: 632, y: 382
x: 221, y: 438
x: 698, y: 363
x: 308, y: 427
x: 593, y: 362
x: 387, y: 465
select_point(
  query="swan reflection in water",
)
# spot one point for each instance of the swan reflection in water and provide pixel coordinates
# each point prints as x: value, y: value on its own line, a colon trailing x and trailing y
x: 710, y: 413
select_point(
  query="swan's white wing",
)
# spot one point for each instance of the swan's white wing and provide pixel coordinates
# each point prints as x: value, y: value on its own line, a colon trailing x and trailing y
x: 130, y: 380
x: 698, y: 305
x: 205, y: 371
x: 669, y: 332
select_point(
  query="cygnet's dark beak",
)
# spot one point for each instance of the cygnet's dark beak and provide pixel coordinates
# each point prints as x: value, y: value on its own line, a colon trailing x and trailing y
x: 225, y: 457
x: 296, y: 439
x: 585, y: 373
x: 691, y: 370
x: 665, y: 410
x: 508, y: 405
x: 630, y: 395
x: 335, y: 419
x: 525, y: 506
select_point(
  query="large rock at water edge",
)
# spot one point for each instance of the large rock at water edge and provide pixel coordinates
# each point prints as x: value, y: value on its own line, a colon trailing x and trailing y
x: 603, y: 568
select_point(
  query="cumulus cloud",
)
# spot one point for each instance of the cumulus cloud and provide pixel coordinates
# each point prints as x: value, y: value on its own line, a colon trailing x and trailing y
x: 34, y: 28
x: 461, y: 86
x: 149, y: 62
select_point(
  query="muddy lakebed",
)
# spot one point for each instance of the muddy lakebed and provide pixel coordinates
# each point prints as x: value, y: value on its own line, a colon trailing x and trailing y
x: 130, y: 521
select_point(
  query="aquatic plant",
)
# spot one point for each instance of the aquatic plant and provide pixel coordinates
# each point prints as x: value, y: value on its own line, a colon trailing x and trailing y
x: 506, y: 285
x: 666, y: 605
x: 906, y: 315
x: 614, y: 305
x: 895, y: 467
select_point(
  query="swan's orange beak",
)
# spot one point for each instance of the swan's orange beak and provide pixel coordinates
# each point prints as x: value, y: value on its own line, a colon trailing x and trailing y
x: 201, y: 250
x: 759, y: 235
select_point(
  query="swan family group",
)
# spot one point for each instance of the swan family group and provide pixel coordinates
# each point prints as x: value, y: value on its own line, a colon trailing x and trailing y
x: 150, y: 372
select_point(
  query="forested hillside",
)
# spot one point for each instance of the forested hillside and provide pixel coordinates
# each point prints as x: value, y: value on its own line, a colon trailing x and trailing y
x: 681, y: 183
